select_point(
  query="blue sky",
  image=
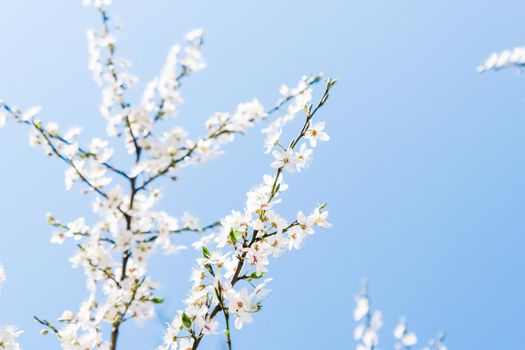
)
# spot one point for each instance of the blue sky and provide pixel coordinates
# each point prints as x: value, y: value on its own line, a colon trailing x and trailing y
x: 423, y: 176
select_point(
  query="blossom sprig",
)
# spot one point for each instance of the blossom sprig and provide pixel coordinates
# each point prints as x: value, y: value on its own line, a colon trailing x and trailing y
x: 173, y: 150
x: 504, y: 59
x: 299, y: 97
x: 161, y: 96
x: 244, y: 245
x: 288, y: 158
x: 87, y: 166
x: 8, y: 334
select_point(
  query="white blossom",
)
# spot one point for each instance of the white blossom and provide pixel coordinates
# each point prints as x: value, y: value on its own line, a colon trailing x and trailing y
x: 316, y: 132
x: 30, y: 113
x: 8, y: 337
x: 285, y: 159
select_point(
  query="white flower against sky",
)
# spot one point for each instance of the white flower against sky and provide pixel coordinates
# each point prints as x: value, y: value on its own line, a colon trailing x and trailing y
x: 30, y: 113
x: 285, y: 159
x: 303, y: 157
x: 241, y: 304
x: 190, y: 222
x: 272, y: 140
x: 316, y: 133
x: 319, y: 217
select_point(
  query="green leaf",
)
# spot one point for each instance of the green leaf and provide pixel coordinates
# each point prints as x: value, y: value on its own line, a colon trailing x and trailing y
x: 186, y: 320
x: 233, y: 237
x: 206, y: 252
x: 152, y: 238
x: 157, y: 300
x: 308, y: 109
x: 331, y: 82
x: 255, y: 276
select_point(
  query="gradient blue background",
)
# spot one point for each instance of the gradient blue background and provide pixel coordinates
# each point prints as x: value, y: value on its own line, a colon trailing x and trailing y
x: 423, y: 176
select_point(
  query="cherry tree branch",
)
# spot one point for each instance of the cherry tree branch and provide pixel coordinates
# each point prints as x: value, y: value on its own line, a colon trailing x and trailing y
x: 111, y: 66
x: 247, y: 244
x: 222, y: 129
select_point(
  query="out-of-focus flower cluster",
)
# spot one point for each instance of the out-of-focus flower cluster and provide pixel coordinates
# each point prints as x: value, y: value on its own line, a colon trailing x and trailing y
x: 8, y: 334
x: 369, y: 323
x: 504, y: 59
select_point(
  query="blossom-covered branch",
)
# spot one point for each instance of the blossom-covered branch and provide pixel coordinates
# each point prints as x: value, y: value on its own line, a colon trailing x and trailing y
x: 222, y: 128
x: 114, y: 250
x: 244, y: 245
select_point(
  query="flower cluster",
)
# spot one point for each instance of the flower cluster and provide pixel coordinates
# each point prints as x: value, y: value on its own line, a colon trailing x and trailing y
x: 8, y: 334
x: 114, y: 249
